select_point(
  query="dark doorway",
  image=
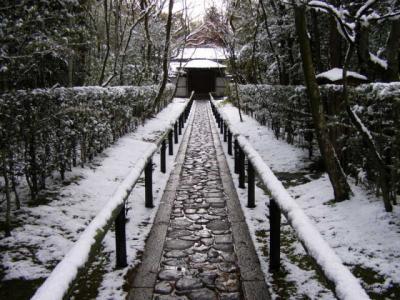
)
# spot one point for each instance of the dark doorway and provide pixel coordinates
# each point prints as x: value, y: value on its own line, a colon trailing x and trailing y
x: 201, y: 81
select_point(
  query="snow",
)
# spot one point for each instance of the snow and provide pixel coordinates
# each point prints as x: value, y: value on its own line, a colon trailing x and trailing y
x: 364, y: 7
x: 203, y: 64
x: 51, y: 229
x: 347, y: 286
x: 365, y: 130
x: 174, y: 66
x: 214, y: 53
x: 379, y: 61
x: 381, y: 91
x: 56, y: 285
x: 359, y: 230
x: 346, y: 29
x: 279, y: 156
x: 336, y: 74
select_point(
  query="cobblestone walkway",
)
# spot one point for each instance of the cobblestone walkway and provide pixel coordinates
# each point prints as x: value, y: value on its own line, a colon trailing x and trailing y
x: 198, y: 260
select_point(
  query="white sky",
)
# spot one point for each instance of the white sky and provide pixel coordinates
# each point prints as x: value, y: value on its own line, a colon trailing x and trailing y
x: 197, y: 8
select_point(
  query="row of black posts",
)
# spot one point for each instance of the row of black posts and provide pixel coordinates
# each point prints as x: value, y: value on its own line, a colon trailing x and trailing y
x: 120, y: 221
x: 240, y: 169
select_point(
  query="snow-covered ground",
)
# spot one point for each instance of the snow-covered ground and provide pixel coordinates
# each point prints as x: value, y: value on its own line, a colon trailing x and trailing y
x: 364, y: 236
x: 48, y: 231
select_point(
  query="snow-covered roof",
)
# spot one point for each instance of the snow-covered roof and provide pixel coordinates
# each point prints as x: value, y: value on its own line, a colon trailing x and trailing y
x: 215, y: 53
x: 174, y: 66
x: 336, y: 74
x: 203, y: 64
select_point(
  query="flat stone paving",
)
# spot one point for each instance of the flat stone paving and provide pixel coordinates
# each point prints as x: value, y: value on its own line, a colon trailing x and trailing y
x: 198, y: 260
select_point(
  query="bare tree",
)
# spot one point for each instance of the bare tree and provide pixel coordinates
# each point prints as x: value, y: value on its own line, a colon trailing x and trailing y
x: 359, y: 40
x: 337, y: 177
x: 108, y: 46
x: 165, y: 55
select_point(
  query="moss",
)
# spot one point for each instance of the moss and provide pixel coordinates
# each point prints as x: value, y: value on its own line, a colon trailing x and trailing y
x: 88, y: 284
x: 370, y: 277
x: 19, y: 289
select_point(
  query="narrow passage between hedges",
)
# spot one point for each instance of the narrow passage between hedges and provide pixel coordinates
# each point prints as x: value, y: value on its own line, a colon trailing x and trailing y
x: 199, y: 257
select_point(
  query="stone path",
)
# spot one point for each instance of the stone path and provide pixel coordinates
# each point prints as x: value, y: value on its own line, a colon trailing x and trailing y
x: 198, y: 260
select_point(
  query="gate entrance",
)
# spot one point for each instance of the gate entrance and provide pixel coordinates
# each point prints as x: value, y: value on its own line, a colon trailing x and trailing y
x: 201, y: 81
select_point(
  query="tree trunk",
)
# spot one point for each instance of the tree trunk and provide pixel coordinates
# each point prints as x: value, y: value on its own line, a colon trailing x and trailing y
x: 7, y: 227
x: 362, y: 44
x: 392, y: 52
x: 14, y: 181
x: 289, y: 48
x: 383, y: 170
x: 253, y: 77
x: 335, y: 43
x: 336, y: 175
x: 368, y: 67
x: 317, y: 41
x: 165, y: 55
x: 232, y: 62
x: 106, y: 20
x: 33, y: 166
x: 147, y: 56
x: 276, y: 55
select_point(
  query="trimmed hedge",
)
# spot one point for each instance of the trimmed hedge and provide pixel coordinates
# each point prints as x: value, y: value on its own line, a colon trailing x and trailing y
x: 47, y: 130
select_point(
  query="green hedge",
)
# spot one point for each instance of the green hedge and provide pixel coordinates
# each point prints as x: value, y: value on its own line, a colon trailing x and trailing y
x: 47, y: 130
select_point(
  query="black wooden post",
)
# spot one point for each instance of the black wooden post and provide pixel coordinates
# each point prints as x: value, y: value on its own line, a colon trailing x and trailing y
x: 187, y: 111
x: 148, y: 183
x: 225, y: 132
x: 162, y: 156
x: 120, y: 238
x: 219, y: 120
x: 275, y: 236
x: 251, y: 202
x: 242, y: 174
x: 221, y: 126
x: 170, y: 143
x: 176, y: 132
x: 236, y: 148
x: 229, y: 142
x: 180, y: 125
